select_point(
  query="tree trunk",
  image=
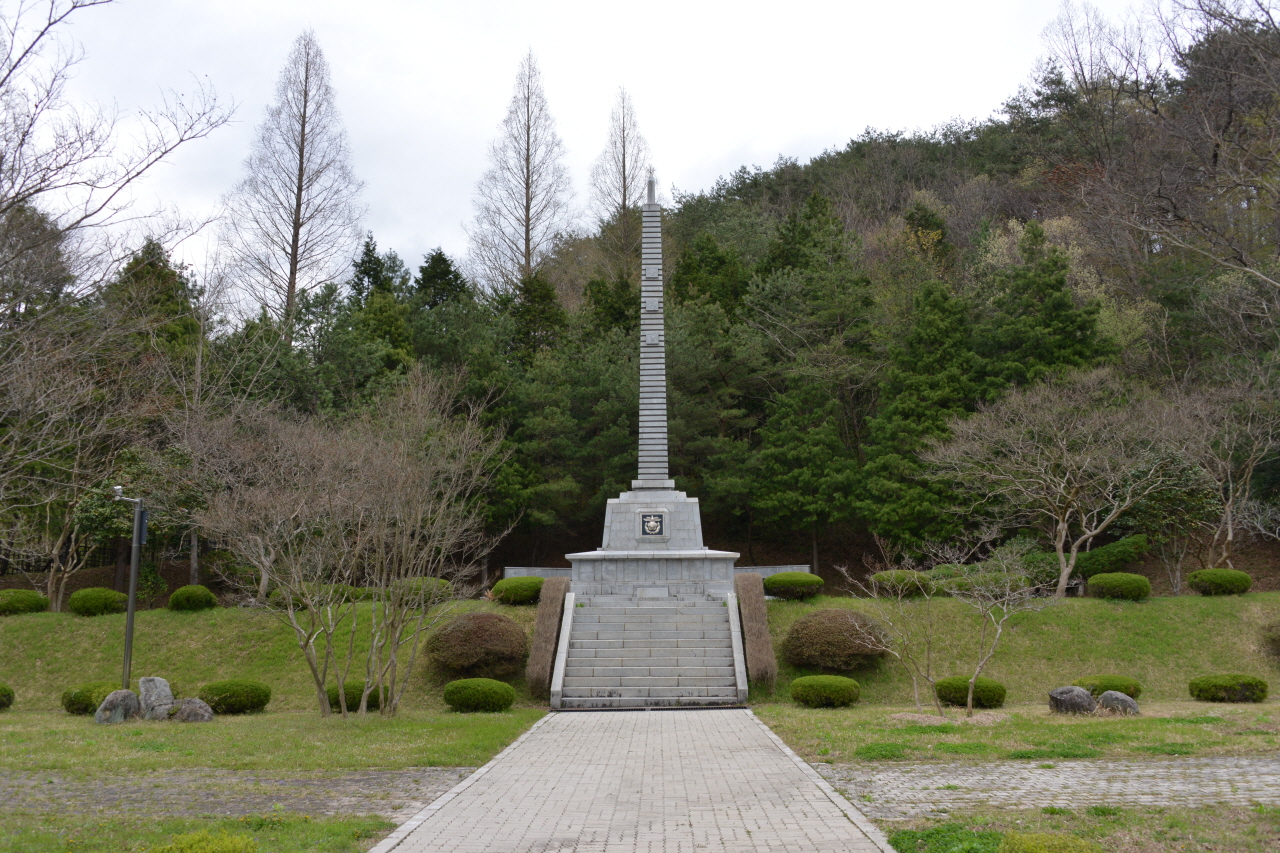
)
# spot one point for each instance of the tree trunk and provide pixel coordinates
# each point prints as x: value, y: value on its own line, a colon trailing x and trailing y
x: 195, y: 558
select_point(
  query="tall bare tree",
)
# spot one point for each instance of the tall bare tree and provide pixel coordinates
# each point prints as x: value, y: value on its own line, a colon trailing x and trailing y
x: 293, y: 220
x: 522, y: 202
x: 618, y: 180
x: 1070, y: 456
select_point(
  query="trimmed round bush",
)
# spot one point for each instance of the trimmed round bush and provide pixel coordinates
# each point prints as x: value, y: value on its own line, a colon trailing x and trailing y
x: 838, y: 640
x: 479, y: 645
x: 6, y: 697
x: 1228, y: 688
x: 792, y: 585
x: 825, y: 691
x: 1108, y: 559
x: 97, y: 601
x: 517, y: 590
x: 946, y: 571
x: 354, y: 690
x: 1046, y: 842
x: 479, y: 694
x: 1120, y: 585
x: 15, y: 601
x: 191, y: 598
x: 901, y: 583
x: 86, y: 698
x: 235, y: 696
x: 987, y: 692
x: 428, y: 590
x: 1219, y: 582
x: 1099, y: 684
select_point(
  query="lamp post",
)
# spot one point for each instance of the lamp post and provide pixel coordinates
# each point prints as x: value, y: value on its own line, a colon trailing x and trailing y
x: 139, y: 539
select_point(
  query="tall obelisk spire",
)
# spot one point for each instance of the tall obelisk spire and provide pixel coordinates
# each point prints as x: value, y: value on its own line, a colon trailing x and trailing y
x: 653, y: 359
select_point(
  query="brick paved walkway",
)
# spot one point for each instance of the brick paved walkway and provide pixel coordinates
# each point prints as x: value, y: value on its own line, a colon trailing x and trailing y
x: 898, y: 791
x: 641, y: 782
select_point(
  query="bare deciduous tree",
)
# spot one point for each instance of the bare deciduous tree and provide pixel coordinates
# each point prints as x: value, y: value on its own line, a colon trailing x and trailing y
x: 618, y: 180
x: 1070, y: 455
x: 522, y: 202
x: 293, y: 221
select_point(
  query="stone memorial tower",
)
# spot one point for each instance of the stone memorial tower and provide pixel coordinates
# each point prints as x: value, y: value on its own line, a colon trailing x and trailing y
x: 652, y: 534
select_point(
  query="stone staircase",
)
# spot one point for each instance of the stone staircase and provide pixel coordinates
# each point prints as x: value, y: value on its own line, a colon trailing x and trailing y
x: 640, y: 652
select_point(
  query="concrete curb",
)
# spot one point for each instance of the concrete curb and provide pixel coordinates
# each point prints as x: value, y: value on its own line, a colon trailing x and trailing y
x: 403, y: 831
x: 855, y: 817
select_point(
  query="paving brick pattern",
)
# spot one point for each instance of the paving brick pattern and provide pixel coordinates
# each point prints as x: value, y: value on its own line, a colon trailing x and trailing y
x: 642, y: 782
x: 899, y: 791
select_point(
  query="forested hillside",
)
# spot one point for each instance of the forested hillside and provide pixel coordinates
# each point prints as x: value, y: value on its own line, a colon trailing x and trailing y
x: 1109, y: 234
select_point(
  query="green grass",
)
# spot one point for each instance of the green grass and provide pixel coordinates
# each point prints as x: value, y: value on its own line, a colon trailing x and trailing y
x: 1031, y: 733
x: 1162, y: 642
x: 277, y: 833
x: 1220, y: 828
x: 42, y: 654
x: 275, y: 741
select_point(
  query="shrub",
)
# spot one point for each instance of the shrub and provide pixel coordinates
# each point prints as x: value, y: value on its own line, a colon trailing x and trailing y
x: 946, y: 571
x: 792, y: 585
x: 236, y: 696
x: 1219, y: 582
x: 354, y: 691
x: 987, y: 692
x: 86, y: 698
x: 97, y: 601
x: 979, y: 579
x: 1042, y: 567
x: 1116, y: 557
x: 429, y: 590
x: 517, y: 590
x: 206, y: 842
x: 1228, y: 688
x: 1046, y: 842
x: 6, y: 697
x: 838, y: 640
x: 824, y: 691
x: 1120, y: 585
x: 15, y: 601
x: 479, y: 694
x: 479, y: 645
x: 194, y: 597
x: 902, y: 583
x: 1099, y: 684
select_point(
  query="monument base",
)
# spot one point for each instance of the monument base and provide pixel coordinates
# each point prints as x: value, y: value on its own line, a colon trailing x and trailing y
x: 653, y: 574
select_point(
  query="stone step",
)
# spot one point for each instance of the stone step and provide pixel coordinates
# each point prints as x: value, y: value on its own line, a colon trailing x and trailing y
x: 654, y: 669
x: 645, y: 619
x: 578, y: 652
x: 646, y: 634
x: 583, y: 703
x: 648, y: 660
x: 576, y: 642
x: 650, y: 612
x: 662, y: 692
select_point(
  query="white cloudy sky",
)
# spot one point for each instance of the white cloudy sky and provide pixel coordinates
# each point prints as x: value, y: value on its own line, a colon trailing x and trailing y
x: 422, y: 84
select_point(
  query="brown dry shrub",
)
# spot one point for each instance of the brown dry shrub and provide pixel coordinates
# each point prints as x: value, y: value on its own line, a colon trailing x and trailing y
x: 835, y: 640
x: 479, y: 645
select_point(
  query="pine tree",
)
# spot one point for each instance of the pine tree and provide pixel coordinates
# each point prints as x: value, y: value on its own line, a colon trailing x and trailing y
x: 439, y: 280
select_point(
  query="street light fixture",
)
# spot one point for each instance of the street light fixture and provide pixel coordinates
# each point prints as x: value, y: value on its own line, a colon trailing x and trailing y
x: 139, y: 539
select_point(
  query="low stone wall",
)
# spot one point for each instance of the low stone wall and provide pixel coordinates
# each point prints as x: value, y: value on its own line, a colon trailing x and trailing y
x: 546, y: 631
x: 762, y: 664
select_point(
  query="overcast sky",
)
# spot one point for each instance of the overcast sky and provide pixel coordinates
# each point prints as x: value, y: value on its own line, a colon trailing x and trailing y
x: 423, y: 85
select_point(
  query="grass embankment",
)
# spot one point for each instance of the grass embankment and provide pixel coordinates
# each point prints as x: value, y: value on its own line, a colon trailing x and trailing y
x: 42, y: 654
x: 1162, y: 642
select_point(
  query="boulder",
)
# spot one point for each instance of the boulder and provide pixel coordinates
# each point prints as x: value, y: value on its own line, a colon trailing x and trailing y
x: 119, y: 706
x: 1115, y: 702
x: 1071, y: 700
x: 156, y: 698
x: 191, y: 711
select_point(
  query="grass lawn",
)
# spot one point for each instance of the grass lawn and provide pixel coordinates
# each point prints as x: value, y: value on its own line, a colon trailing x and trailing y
x: 277, y: 833
x: 273, y: 741
x: 1162, y: 642
x: 866, y: 733
x: 1223, y: 829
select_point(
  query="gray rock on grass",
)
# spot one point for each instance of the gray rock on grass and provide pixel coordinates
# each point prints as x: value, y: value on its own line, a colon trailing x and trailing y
x: 1071, y: 700
x: 1114, y: 702
x: 191, y: 711
x: 156, y: 698
x: 117, y: 707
